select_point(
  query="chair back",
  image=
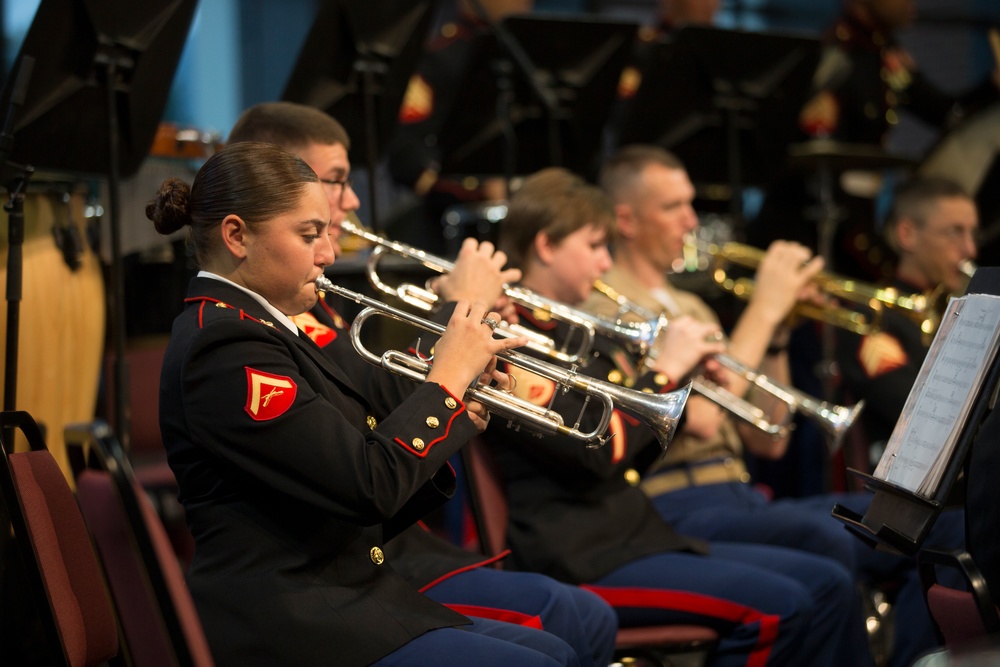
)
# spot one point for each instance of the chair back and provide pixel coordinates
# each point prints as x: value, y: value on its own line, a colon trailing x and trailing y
x: 962, y: 617
x: 159, y: 621
x: 487, y: 497
x: 56, y: 550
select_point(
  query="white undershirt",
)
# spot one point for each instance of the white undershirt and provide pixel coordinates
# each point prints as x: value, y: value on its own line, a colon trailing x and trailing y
x: 278, y: 315
x: 668, y: 302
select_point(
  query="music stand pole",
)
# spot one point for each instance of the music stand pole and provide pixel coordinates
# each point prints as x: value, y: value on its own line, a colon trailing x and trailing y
x: 355, y: 65
x: 516, y: 57
x: 122, y: 404
x: 15, y: 238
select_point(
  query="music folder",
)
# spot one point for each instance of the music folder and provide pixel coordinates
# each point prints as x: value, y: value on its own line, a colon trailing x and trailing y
x: 954, y: 391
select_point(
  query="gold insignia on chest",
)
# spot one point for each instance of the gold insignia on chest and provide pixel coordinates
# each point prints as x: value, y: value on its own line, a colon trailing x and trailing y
x: 371, y: 422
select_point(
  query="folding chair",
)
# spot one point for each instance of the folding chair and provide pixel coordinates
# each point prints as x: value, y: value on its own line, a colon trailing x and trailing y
x: 76, y: 613
x: 962, y: 617
x: 488, y: 501
x: 160, y: 624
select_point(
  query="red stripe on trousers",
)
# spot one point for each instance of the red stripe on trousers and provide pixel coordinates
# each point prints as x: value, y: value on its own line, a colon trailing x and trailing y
x: 505, y: 615
x: 704, y: 605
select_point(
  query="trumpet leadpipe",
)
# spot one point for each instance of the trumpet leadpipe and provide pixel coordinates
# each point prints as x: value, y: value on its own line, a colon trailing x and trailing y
x: 425, y: 299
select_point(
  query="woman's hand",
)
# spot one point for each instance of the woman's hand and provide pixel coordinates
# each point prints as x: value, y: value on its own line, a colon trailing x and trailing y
x: 467, y: 347
x: 502, y: 381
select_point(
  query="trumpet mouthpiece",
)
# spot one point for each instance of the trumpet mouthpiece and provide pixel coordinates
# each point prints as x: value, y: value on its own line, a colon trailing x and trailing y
x: 323, y: 284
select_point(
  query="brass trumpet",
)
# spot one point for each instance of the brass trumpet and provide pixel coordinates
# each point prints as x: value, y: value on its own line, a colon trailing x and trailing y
x: 425, y: 299
x: 660, y: 412
x: 924, y: 309
x: 643, y: 338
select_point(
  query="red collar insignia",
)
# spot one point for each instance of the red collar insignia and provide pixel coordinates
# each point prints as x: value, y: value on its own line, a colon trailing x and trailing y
x: 268, y: 396
x: 321, y: 334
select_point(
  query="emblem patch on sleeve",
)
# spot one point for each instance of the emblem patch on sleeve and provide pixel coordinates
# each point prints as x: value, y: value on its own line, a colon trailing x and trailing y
x: 268, y: 396
x: 531, y: 387
x: 880, y: 353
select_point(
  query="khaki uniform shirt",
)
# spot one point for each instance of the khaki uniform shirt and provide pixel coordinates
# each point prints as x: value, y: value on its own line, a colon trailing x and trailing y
x: 684, y: 449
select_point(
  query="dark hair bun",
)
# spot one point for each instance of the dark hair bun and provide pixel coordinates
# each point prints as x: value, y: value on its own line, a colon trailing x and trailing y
x: 171, y: 210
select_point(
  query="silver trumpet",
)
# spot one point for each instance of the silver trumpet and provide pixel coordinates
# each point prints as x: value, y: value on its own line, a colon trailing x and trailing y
x: 425, y: 299
x: 660, y: 412
x: 643, y: 339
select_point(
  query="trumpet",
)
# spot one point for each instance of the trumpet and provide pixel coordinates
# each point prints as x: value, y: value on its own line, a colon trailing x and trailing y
x: 924, y: 309
x: 643, y: 338
x: 424, y: 298
x: 660, y: 412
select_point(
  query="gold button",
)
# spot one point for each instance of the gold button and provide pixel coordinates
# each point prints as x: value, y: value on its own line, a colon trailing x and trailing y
x: 450, y: 403
x: 433, y: 422
x: 729, y: 463
x: 615, y: 376
x: 745, y: 477
x: 647, y: 390
x: 371, y: 422
x: 661, y: 379
x: 541, y: 315
x: 219, y: 304
x: 891, y: 117
x: 418, y: 444
x: 629, y: 383
x: 632, y: 477
x: 376, y: 555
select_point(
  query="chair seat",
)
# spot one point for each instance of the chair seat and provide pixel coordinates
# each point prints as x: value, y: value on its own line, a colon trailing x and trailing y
x: 664, y: 635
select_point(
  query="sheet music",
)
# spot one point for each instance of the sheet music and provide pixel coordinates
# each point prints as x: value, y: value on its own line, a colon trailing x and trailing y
x: 942, y: 396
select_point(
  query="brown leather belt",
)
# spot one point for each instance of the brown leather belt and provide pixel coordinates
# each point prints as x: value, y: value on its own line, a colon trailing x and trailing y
x: 716, y: 472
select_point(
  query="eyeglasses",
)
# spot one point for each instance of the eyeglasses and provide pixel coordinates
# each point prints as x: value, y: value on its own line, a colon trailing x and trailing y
x: 342, y: 184
x: 956, y: 234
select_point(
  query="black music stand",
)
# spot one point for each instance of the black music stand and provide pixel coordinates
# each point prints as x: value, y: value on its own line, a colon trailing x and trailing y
x: 538, y: 92
x: 708, y: 93
x: 355, y: 65
x: 102, y: 75
x: 899, y: 520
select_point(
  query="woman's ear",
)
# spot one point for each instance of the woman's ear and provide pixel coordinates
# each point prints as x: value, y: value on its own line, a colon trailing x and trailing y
x: 234, y: 235
x: 544, y: 247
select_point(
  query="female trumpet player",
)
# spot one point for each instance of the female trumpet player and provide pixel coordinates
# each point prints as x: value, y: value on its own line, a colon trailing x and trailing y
x: 577, y: 514
x: 446, y: 573
x: 288, y: 485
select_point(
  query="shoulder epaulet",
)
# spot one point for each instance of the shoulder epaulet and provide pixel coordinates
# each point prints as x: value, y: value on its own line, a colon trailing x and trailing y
x: 205, y: 307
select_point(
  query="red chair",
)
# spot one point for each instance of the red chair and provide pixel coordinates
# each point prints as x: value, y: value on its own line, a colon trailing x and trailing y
x: 488, y: 502
x: 160, y: 624
x: 962, y: 617
x: 76, y: 613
